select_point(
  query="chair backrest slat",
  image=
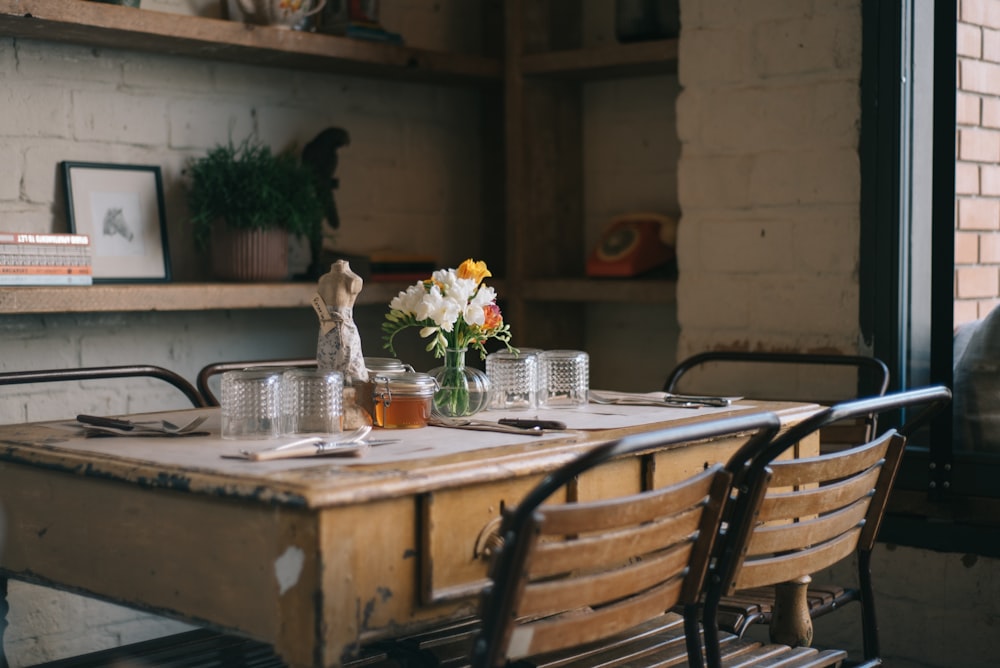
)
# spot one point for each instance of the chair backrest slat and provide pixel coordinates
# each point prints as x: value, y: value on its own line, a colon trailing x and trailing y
x: 602, y: 587
x: 607, y: 515
x: 795, y: 564
x: 605, y: 549
x: 579, y: 627
x: 782, y: 538
x: 829, y: 466
x: 806, y: 502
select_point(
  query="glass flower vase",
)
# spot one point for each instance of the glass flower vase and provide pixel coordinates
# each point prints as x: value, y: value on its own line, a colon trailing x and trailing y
x: 462, y: 390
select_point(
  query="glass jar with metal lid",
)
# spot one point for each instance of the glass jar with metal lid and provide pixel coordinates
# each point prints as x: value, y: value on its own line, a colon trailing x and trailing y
x: 402, y: 400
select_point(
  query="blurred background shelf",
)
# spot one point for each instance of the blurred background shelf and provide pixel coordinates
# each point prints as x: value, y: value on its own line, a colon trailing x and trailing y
x: 175, y: 297
x: 102, y: 25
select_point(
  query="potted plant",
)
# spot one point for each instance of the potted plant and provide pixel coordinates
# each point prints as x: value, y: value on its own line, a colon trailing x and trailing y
x: 244, y: 201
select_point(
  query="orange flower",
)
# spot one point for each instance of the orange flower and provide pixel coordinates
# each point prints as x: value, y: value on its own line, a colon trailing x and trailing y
x: 474, y: 270
x: 494, y: 318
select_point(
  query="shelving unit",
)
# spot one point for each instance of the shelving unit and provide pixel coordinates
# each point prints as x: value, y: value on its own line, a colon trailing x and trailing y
x: 113, y: 26
x: 543, y: 279
x: 546, y: 69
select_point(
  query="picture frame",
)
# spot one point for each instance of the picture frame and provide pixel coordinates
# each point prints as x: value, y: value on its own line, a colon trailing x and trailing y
x: 120, y: 207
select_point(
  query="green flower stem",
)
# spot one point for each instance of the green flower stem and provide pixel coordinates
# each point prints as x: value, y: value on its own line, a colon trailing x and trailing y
x: 453, y: 396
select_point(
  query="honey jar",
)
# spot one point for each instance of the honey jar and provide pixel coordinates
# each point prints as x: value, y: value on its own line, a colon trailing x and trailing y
x: 402, y: 400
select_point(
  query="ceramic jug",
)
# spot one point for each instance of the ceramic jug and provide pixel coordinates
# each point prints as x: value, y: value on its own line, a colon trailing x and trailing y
x: 280, y: 13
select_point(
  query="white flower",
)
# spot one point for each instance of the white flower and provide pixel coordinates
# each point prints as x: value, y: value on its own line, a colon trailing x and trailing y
x: 409, y: 300
x: 451, y: 310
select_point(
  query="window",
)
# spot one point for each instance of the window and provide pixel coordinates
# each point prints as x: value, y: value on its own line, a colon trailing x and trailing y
x: 944, y: 497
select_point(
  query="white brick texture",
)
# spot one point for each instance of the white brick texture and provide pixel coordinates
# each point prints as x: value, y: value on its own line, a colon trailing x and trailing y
x: 769, y: 170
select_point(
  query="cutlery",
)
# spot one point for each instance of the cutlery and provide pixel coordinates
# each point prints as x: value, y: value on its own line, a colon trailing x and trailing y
x: 312, y: 449
x: 350, y: 437
x: 658, y: 399
x: 528, y: 423
x: 481, y: 425
x: 352, y: 444
x: 120, y: 426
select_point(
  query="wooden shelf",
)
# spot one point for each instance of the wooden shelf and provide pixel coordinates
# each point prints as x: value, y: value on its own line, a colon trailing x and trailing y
x: 176, y: 297
x: 112, y: 26
x: 612, y: 290
x: 618, y: 60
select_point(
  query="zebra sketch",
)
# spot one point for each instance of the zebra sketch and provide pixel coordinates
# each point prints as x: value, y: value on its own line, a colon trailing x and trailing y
x: 114, y: 223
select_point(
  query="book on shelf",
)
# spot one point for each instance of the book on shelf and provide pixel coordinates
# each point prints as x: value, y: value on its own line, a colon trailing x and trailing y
x: 45, y: 259
x: 45, y: 279
x: 43, y: 270
x: 44, y: 239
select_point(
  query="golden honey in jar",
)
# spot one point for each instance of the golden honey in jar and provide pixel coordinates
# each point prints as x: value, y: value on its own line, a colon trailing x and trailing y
x: 402, y: 400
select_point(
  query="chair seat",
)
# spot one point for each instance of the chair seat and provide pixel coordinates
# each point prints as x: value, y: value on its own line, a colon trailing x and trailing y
x: 655, y: 643
x: 755, y: 606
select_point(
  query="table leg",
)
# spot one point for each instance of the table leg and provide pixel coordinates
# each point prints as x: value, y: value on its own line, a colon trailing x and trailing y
x: 790, y: 620
x: 4, y: 608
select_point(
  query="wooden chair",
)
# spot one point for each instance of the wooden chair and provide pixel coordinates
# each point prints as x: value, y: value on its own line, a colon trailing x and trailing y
x: 794, y: 517
x: 210, y: 371
x: 744, y: 373
x: 588, y: 583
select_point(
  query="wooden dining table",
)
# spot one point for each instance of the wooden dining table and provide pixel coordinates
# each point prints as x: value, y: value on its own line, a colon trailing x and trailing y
x: 317, y: 556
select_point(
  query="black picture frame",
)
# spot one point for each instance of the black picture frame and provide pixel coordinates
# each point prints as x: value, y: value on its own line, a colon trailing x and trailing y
x: 120, y: 207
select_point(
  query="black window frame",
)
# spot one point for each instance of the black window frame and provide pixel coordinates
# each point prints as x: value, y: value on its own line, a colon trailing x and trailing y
x: 944, y: 500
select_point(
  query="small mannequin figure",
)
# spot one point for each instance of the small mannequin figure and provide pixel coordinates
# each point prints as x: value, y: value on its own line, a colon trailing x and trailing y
x: 339, y: 346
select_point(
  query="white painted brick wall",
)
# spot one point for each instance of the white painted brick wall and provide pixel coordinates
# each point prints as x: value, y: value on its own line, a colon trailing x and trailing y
x: 769, y: 182
x: 769, y: 186
x: 412, y: 166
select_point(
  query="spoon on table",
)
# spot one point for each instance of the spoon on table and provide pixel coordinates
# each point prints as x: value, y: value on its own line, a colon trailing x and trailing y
x: 351, y: 444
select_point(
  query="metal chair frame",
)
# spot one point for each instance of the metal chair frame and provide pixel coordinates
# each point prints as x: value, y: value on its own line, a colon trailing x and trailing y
x: 211, y: 370
x: 80, y: 374
x: 106, y: 372
x: 870, y: 369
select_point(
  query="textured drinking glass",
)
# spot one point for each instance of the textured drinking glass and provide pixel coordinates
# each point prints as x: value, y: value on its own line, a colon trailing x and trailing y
x: 564, y: 378
x: 313, y: 401
x: 513, y: 380
x: 250, y: 403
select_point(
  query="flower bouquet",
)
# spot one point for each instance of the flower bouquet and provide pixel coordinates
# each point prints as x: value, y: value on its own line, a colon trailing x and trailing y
x: 455, y: 311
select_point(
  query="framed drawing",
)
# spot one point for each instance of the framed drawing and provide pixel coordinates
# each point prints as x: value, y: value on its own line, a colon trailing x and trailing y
x: 121, y: 208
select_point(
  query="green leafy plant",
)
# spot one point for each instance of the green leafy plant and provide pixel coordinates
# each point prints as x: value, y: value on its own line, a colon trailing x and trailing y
x: 249, y: 187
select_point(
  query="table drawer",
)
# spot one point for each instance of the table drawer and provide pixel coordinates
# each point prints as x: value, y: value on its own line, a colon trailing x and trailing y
x: 454, y: 527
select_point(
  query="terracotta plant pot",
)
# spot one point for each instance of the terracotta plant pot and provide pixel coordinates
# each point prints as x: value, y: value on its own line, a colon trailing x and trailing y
x: 249, y: 255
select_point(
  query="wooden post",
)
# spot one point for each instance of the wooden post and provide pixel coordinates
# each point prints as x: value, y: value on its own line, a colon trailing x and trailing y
x: 790, y: 622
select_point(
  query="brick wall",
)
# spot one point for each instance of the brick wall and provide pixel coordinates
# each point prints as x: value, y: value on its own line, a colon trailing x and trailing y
x: 768, y: 119
x: 410, y: 179
x: 977, y: 171
x: 769, y: 185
